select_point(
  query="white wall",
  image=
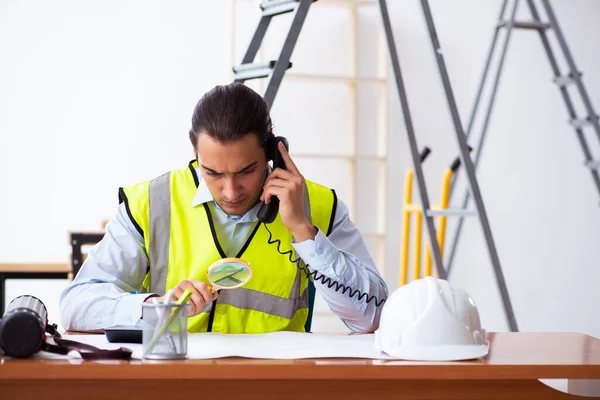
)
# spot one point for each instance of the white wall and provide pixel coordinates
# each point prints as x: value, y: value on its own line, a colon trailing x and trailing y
x: 541, y: 201
x: 95, y: 95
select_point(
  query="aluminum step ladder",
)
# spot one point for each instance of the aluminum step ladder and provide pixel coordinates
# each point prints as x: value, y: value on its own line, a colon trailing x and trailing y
x: 463, y: 154
x: 572, y: 77
x: 273, y: 70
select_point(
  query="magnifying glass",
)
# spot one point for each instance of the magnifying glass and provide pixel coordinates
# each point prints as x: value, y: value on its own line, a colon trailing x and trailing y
x: 228, y: 273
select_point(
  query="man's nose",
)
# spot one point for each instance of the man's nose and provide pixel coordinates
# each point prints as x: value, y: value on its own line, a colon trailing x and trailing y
x: 231, y: 189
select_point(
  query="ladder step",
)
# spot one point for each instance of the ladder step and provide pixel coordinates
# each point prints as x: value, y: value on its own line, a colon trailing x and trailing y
x: 276, y: 7
x: 524, y: 25
x: 255, y: 70
x: 449, y: 212
x: 567, y: 79
x: 593, y: 164
x: 583, y: 122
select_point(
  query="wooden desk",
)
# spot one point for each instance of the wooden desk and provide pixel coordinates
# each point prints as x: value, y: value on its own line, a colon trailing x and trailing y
x: 30, y: 271
x: 511, y: 371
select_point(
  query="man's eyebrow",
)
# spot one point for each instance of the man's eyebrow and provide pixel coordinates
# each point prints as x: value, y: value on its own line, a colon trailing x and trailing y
x: 247, y: 167
x: 210, y: 169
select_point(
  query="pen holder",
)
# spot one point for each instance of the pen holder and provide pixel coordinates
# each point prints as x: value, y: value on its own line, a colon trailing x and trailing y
x: 165, y: 333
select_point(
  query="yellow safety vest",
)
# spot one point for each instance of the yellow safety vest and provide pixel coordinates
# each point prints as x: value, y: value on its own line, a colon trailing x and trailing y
x: 181, y: 243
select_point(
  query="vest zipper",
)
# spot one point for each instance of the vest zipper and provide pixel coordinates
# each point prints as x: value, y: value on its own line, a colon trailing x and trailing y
x: 211, y: 316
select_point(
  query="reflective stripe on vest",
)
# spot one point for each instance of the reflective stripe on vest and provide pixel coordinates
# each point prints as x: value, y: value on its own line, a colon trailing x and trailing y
x: 159, y: 202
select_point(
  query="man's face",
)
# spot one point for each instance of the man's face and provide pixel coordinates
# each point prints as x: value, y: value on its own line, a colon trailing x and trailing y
x: 233, y: 172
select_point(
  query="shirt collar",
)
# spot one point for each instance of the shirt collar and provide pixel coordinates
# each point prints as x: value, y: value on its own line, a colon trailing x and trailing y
x: 203, y: 195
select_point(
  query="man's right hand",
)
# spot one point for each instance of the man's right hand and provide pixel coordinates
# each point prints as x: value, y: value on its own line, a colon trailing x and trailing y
x: 201, y: 295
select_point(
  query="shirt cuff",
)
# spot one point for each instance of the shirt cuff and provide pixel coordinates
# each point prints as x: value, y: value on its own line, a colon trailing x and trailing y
x: 319, y: 253
x: 129, y: 310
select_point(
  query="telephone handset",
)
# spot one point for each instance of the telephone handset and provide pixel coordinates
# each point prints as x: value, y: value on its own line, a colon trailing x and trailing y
x: 268, y: 212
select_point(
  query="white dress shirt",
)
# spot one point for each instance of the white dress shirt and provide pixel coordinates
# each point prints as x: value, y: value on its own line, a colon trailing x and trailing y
x: 103, y: 292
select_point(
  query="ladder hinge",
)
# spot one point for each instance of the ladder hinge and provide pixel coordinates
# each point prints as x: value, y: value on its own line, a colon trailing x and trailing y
x: 593, y: 164
x: 271, y: 8
x: 567, y: 79
x: 583, y: 122
x: 255, y: 70
x: 524, y: 25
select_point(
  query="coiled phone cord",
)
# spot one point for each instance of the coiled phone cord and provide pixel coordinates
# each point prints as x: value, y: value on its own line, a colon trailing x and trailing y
x: 317, y: 276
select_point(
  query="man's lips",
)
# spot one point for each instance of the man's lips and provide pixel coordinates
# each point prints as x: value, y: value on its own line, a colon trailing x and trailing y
x: 234, y: 204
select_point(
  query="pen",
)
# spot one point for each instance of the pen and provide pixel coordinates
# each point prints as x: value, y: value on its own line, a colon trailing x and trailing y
x: 182, y: 300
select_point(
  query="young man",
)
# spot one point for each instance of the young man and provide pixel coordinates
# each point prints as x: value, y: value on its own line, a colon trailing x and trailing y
x: 168, y: 231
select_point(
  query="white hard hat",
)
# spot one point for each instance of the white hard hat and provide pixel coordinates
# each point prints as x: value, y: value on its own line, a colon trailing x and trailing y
x: 428, y: 320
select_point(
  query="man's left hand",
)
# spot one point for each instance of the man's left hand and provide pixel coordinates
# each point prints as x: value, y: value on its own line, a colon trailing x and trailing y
x: 288, y: 186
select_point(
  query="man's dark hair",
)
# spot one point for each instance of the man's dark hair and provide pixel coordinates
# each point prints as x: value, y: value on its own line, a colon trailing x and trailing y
x: 229, y: 112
